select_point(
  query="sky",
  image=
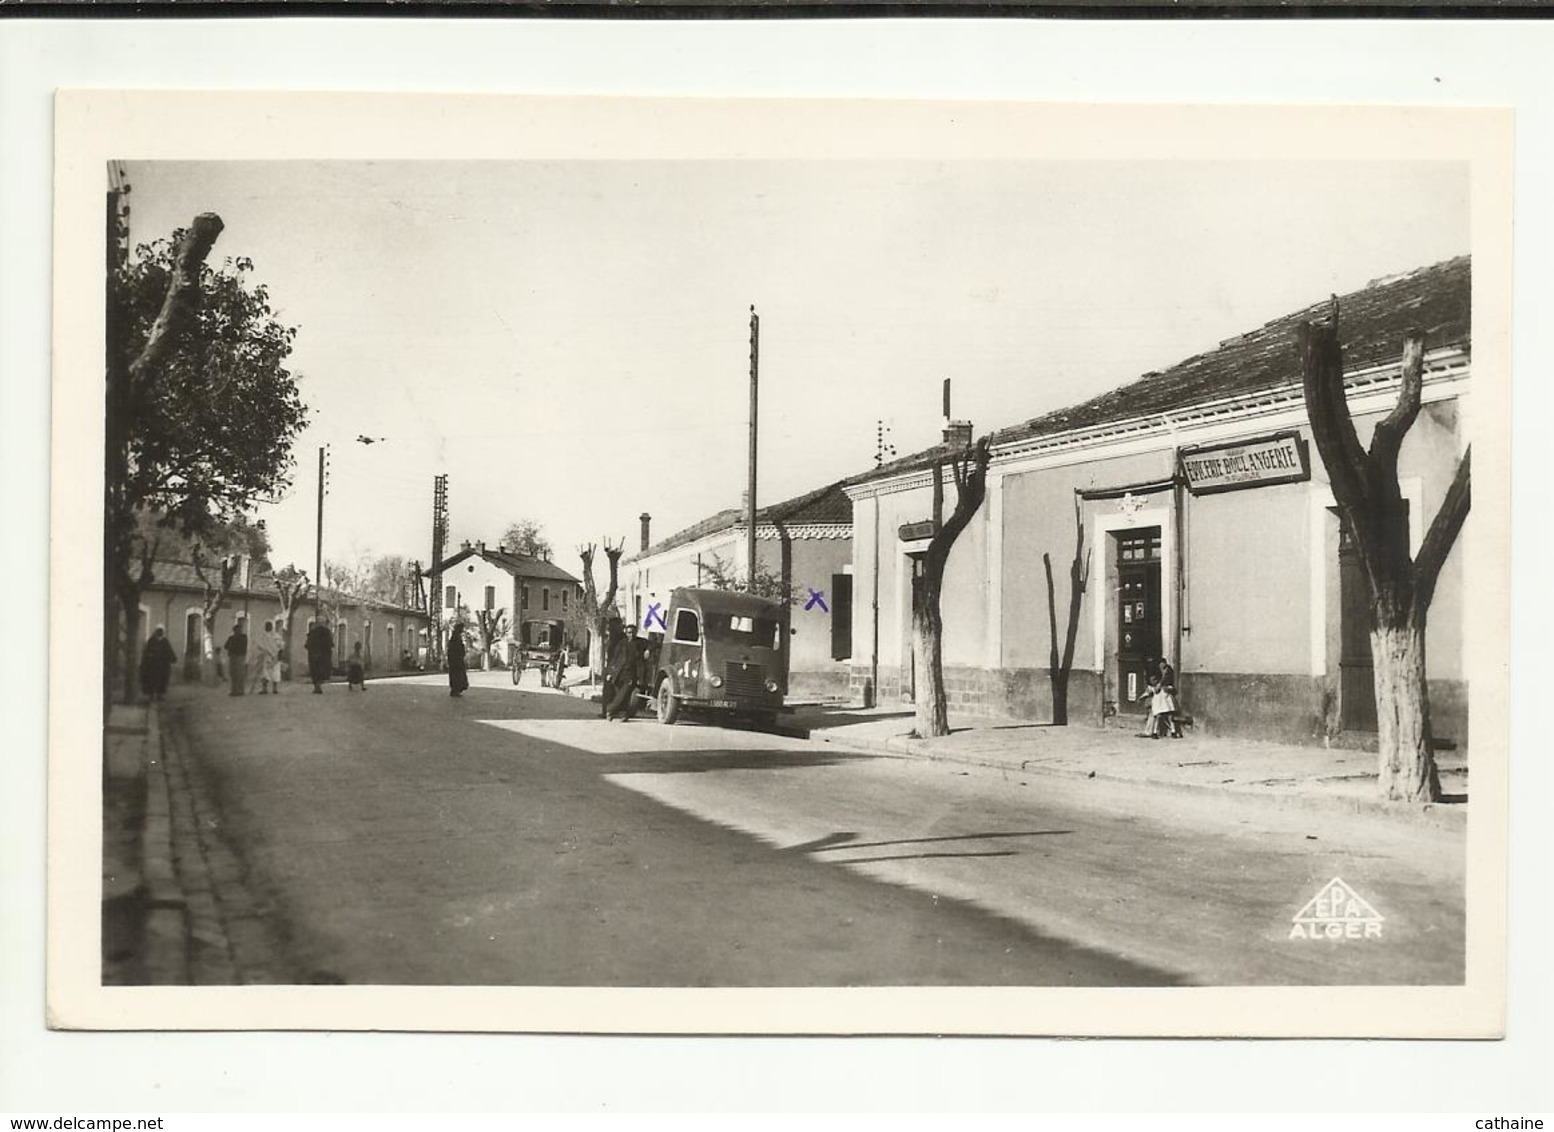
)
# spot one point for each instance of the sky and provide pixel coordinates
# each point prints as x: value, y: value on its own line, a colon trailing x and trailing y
x: 569, y: 341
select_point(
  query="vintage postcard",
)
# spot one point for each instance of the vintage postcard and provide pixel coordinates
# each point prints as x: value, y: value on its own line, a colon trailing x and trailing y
x: 710, y: 566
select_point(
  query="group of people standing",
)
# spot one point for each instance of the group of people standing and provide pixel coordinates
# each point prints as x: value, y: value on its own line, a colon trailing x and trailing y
x: 1160, y: 691
x: 158, y: 658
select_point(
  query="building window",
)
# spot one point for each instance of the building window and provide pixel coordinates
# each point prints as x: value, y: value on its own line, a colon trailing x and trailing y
x: 523, y: 599
x: 563, y: 601
x: 451, y: 598
x: 490, y: 598
x: 545, y: 599
x: 1141, y: 547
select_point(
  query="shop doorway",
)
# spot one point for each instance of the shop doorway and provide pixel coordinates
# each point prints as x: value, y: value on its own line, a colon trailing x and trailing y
x: 1138, y: 614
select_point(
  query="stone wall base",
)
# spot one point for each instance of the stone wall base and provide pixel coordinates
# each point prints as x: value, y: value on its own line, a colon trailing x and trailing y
x: 1281, y: 708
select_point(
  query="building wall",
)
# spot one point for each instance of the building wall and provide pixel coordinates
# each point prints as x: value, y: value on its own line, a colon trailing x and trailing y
x: 171, y: 609
x: 1252, y: 612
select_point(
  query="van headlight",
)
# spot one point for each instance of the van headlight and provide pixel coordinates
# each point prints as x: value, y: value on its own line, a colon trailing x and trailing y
x: 771, y: 685
x: 715, y: 681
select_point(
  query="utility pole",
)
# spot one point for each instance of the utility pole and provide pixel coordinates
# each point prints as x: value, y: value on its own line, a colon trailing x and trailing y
x: 318, y: 542
x: 755, y: 355
x: 439, y: 540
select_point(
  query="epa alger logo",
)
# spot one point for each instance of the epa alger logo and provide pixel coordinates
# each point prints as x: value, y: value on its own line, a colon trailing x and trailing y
x: 1337, y: 912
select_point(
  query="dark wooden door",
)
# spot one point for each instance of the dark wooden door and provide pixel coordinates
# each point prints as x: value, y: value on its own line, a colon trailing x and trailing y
x: 1138, y: 614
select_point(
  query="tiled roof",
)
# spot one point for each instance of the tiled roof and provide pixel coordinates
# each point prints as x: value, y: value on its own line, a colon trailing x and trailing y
x: 519, y: 565
x: 1436, y: 301
x: 827, y: 504
x: 168, y: 575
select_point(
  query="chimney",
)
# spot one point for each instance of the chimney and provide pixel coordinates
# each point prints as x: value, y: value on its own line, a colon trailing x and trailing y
x: 957, y: 434
x: 480, y: 548
x: 646, y: 519
x: 464, y: 545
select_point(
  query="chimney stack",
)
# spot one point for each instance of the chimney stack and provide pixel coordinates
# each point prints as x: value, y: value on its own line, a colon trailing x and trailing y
x: 957, y: 434
x: 480, y: 548
x: 646, y: 520
x: 464, y: 545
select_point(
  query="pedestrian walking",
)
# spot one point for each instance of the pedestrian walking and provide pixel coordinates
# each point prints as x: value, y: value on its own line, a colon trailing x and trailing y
x: 237, y: 656
x: 267, y: 647
x: 156, y: 665
x: 355, y: 674
x: 621, y: 677
x: 458, y: 676
x: 320, y: 645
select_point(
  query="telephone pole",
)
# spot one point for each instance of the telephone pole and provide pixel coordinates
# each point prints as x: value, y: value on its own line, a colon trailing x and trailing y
x: 318, y: 542
x: 439, y: 544
x: 755, y: 355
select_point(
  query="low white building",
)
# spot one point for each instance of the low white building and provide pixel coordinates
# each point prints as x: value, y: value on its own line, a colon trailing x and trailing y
x: 480, y: 579
x: 804, y: 544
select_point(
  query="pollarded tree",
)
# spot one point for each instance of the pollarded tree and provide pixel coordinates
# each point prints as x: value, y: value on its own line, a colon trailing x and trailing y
x: 1061, y: 665
x: 590, y: 611
x: 969, y: 470
x: 202, y: 411
x: 1365, y: 487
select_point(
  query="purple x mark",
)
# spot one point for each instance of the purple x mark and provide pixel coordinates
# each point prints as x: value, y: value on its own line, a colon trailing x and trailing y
x: 654, y: 615
x: 817, y: 597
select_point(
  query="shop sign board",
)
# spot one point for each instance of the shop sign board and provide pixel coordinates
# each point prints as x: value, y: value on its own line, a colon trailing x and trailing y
x: 1281, y: 457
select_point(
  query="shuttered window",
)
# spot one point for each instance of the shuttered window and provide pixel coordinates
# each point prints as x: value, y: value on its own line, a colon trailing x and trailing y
x: 841, y: 616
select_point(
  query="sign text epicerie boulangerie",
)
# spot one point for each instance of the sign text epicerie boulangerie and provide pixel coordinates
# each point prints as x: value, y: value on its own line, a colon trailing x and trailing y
x: 1278, y: 458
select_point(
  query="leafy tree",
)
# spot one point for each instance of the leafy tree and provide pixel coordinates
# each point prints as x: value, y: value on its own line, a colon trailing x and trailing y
x: 201, y: 411
x: 1365, y: 487
x: 387, y: 579
x: 525, y: 536
x: 721, y: 574
x: 492, y: 623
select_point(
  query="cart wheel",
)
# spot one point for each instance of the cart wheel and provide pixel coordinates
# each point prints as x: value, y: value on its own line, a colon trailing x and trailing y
x: 517, y: 670
x: 667, y: 703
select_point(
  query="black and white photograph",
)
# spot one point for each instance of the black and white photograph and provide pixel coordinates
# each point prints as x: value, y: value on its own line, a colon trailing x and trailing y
x: 826, y: 568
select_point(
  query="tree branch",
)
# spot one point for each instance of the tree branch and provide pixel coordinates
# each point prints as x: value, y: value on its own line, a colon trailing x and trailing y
x: 183, y: 290
x: 1388, y: 437
x: 1322, y: 382
x: 1443, y: 532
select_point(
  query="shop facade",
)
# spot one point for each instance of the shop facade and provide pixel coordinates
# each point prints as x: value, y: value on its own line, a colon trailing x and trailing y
x: 1209, y: 538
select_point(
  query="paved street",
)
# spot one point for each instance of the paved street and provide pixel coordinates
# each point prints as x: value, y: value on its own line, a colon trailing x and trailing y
x: 512, y: 837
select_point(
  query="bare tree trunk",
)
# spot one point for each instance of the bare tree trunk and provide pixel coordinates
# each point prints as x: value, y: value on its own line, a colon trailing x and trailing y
x: 1365, y: 487
x: 1407, y: 765
x: 1055, y: 670
x: 591, y: 612
x: 933, y: 709
x: 1061, y: 666
x: 970, y: 470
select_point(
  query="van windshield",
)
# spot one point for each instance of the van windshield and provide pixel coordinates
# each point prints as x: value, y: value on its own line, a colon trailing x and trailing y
x: 760, y: 632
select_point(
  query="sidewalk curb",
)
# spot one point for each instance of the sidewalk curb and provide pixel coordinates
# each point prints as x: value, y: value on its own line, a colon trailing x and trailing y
x: 1440, y: 815
x: 166, y: 931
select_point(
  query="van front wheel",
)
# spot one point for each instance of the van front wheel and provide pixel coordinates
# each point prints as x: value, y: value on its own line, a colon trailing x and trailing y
x: 667, y: 703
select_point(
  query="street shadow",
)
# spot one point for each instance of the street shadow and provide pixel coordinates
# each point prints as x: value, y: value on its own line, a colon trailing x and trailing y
x: 922, y: 857
x: 697, y: 762
x: 846, y: 840
x: 820, y: 719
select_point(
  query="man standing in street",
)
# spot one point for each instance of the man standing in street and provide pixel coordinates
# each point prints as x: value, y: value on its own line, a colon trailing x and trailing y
x: 320, y: 645
x: 237, y: 657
